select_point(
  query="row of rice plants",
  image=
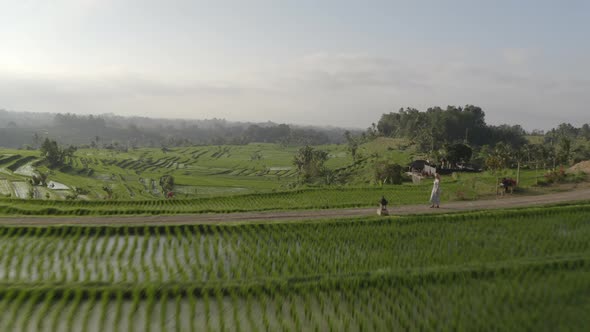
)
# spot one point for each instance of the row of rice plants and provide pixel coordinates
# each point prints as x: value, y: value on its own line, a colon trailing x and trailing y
x: 303, y: 199
x: 5, y: 187
x: 143, y: 164
x: 346, y: 249
x: 270, y: 250
x: 295, y: 251
x: 221, y: 151
x: 20, y: 162
x: 198, y: 154
x: 508, y: 302
x: 172, y: 162
x: 5, y: 159
x: 75, y: 163
x: 115, y: 255
x: 125, y: 163
x: 109, y: 162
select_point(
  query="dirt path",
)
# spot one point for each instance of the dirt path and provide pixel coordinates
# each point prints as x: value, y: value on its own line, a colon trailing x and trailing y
x: 499, y: 203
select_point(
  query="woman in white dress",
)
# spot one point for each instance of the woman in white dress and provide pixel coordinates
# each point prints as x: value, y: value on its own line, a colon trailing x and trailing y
x: 435, y: 194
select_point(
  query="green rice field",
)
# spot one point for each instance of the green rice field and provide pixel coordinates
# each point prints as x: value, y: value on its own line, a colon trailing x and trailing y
x: 523, y: 269
x: 216, y: 179
x: 199, y: 171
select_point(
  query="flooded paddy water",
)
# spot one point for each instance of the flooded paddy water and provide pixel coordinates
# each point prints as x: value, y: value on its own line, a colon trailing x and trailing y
x: 132, y: 258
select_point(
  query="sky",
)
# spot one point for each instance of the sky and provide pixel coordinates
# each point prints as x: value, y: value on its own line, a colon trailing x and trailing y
x: 331, y: 62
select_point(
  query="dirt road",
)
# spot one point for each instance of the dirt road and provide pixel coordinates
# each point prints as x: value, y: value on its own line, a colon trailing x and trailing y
x: 209, y: 218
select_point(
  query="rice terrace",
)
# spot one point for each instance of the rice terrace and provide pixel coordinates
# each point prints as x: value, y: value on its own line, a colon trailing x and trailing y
x: 241, y: 247
x: 274, y: 166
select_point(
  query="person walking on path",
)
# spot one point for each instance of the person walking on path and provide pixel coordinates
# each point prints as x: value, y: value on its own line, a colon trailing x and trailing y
x: 383, y: 202
x: 383, y: 207
x: 435, y: 194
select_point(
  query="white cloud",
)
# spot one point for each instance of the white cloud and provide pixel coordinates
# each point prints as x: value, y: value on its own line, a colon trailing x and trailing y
x: 347, y: 89
x: 359, y: 87
x: 349, y: 71
x: 516, y: 56
x: 122, y: 94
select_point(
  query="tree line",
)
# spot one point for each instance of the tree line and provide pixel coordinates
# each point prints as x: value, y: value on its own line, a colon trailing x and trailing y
x: 432, y: 129
x: 28, y: 130
x: 458, y: 134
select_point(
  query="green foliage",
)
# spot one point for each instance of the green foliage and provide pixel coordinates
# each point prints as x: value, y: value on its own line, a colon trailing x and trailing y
x: 432, y: 129
x: 511, y: 135
x: 495, y: 162
x: 109, y: 191
x: 560, y: 176
x: 81, y: 191
x: 386, y: 172
x: 564, y: 151
x: 40, y: 179
x: 499, y: 157
x: 352, y: 144
x: 54, y: 154
x: 167, y: 183
x: 458, y: 152
x: 72, y: 196
x: 51, y: 152
x: 256, y: 155
x: 567, y: 130
x: 310, y: 163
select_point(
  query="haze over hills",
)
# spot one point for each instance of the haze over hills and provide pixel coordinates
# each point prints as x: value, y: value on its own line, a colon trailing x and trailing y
x: 22, y: 129
x: 431, y: 128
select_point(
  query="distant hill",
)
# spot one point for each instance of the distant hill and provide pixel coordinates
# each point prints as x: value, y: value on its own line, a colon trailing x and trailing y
x: 26, y: 130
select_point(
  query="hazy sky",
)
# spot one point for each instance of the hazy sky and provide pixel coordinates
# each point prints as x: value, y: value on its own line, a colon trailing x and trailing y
x: 308, y: 62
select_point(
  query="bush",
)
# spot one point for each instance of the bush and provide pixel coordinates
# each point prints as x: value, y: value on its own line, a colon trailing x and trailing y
x: 72, y: 196
x: 560, y: 176
x: 577, y: 177
x: 386, y: 172
x: 81, y: 191
x: 555, y: 176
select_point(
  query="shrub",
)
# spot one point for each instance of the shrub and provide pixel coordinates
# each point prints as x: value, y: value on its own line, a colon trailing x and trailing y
x: 81, y: 191
x: 386, y: 172
x: 555, y: 176
x: 579, y: 176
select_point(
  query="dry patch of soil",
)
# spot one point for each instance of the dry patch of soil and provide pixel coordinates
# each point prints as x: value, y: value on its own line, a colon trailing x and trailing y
x: 583, y: 166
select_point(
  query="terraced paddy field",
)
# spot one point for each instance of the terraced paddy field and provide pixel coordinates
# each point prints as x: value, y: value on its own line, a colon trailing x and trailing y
x: 203, y: 172
x: 200, y: 171
x: 292, y: 200
x: 523, y: 269
x: 461, y: 188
